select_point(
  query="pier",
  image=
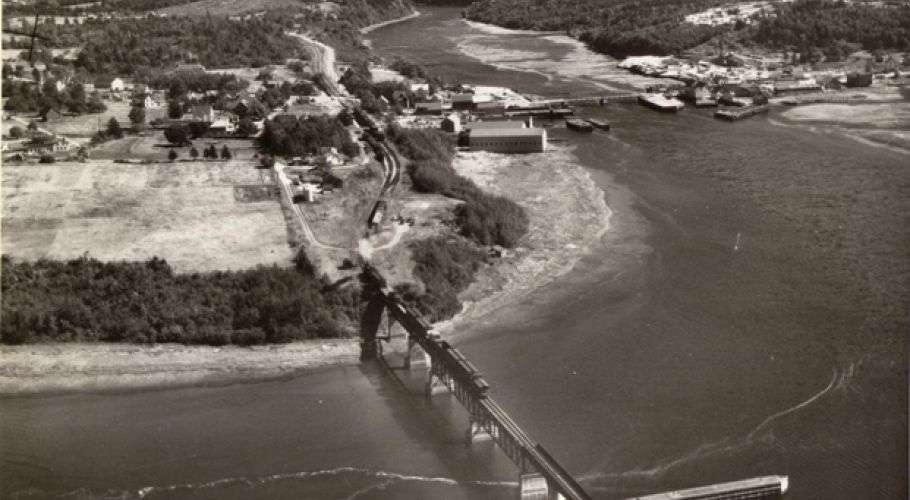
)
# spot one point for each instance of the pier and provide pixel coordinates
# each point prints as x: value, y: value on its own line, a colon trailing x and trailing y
x: 540, y: 475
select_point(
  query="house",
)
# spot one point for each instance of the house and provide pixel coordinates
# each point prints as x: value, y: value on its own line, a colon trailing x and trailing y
x: 108, y: 83
x: 463, y: 102
x: 51, y: 115
x: 247, y: 107
x: 508, y: 140
x: 331, y: 156
x: 789, y: 87
x: 429, y: 108
x: 222, y: 126
x: 203, y: 113
x: 451, y: 123
x: 859, y: 79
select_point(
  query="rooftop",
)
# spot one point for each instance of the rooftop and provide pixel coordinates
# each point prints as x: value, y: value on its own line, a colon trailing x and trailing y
x: 507, y: 132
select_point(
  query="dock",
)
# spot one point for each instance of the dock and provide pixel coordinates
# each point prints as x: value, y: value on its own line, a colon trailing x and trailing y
x: 734, y: 114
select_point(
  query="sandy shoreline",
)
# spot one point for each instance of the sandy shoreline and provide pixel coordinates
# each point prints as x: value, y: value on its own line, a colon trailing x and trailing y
x: 568, y: 214
x: 60, y: 368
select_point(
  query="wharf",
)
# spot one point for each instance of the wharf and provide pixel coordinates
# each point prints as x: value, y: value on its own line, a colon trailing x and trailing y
x: 547, y: 112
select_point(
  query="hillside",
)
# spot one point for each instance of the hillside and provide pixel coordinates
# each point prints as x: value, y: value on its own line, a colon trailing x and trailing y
x: 623, y: 27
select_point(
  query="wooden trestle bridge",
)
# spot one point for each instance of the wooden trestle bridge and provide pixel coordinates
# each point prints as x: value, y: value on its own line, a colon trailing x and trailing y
x: 540, y: 475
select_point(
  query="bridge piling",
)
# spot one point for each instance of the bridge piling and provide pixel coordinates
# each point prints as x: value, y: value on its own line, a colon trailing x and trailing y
x: 475, y: 432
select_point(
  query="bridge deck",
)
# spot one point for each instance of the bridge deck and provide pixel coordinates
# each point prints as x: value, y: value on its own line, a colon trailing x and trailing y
x: 450, y: 367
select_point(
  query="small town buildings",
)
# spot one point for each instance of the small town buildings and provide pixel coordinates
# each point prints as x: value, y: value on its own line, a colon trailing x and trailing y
x: 331, y: 156
x: 790, y: 87
x: 46, y: 144
x: 508, y: 140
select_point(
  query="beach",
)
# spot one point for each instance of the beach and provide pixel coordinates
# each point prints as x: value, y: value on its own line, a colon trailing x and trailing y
x: 563, y: 205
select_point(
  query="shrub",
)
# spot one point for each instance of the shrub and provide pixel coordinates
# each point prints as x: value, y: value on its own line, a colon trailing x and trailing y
x: 47, y: 159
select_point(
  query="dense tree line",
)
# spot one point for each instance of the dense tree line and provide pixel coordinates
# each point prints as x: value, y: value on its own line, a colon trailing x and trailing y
x: 484, y: 218
x: 25, y: 97
x: 288, y: 135
x: 179, y: 83
x: 623, y: 27
x: 445, y: 266
x: 129, y: 46
x: 88, y: 300
x: 823, y: 25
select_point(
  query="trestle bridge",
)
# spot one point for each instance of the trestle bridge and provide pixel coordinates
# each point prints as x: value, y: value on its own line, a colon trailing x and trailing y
x: 541, y: 476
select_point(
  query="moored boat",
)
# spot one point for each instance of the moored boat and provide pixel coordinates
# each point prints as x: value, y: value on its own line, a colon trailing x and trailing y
x: 661, y: 103
x: 598, y: 123
x: 579, y: 125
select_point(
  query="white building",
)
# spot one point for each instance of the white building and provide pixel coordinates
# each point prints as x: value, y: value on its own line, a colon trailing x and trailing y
x: 508, y: 140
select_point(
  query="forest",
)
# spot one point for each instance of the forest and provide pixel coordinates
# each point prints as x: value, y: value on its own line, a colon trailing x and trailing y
x: 619, y: 28
x: 128, y: 46
x: 88, y: 300
x: 623, y: 28
x: 288, y: 135
x: 822, y: 25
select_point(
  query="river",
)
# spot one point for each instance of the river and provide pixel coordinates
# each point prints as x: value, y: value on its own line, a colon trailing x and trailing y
x: 745, y: 315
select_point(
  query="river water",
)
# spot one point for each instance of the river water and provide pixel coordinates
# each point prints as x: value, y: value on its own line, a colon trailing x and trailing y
x: 745, y: 315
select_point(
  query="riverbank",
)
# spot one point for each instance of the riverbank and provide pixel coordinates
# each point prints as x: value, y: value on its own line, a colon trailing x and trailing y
x: 567, y: 214
x: 63, y: 368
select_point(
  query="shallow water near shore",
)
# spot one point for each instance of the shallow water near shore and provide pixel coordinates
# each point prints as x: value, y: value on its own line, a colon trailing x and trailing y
x: 745, y: 315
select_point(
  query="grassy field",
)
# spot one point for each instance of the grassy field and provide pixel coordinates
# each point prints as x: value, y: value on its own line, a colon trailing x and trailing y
x: 190, y: 213
x: 154, y: 147
x: 227, y: 7
x: 85, y: 126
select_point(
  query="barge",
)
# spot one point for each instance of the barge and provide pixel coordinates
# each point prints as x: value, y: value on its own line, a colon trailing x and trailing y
x: 661, y: 103
x: 601, y: 124
x: 733, y: 114
x: 578, y: 125
x: 754, y: 488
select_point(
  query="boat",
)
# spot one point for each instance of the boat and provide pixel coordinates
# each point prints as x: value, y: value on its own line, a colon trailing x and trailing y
x: 661, y: 103
x: 601, y: 124
x: 733, y: 114
x: 579, y: 125
x: 753, y: 488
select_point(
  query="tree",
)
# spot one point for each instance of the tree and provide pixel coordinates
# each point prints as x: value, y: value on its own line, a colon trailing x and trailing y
x: 225, y: 153
x: 113, y: 128
x: 194, y: 153
x: 137, y: 116
x: 246, y: 127
x: 178, y: 134
x: 32, y: 126
x: 174, y: 109
x: 45, y: 158
x: 212, y: 152
x: 16, y: 132
x: 177, y: 90
x: 172, y: 155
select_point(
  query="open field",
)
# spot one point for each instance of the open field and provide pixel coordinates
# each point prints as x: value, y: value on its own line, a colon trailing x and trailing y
x: 188, y: 213
x: 227, y: 7
x: 153, y: 146
x: 85, y: 126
